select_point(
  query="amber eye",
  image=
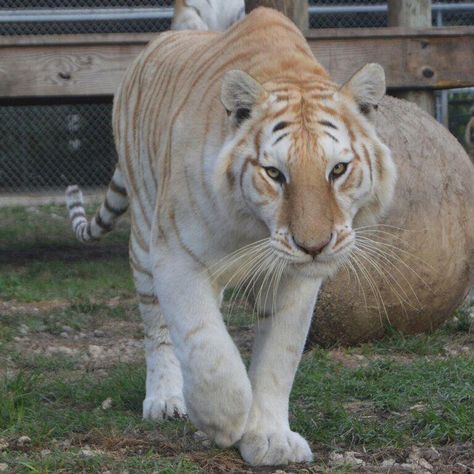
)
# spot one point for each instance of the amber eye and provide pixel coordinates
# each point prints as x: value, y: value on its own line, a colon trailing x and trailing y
x: 338, y: 170
x: 275, y: 174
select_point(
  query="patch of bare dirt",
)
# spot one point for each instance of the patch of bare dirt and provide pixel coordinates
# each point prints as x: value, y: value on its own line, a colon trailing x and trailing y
x: 451, y: 459
x: 9, y: 308
x: 100, y: 348
x: 350, y: 361
x: 243, y: 337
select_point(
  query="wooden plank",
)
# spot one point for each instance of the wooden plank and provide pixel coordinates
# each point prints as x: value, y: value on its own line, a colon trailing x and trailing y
x: 64, y: 70
x: 410, y: 63
x: 92, y: 65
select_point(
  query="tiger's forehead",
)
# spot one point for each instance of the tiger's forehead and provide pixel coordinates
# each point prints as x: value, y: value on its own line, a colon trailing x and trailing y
x: 303, y: 125
x: 311, y: 108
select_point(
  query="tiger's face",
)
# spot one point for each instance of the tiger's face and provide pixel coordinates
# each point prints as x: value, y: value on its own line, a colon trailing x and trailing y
x: 310, y: 166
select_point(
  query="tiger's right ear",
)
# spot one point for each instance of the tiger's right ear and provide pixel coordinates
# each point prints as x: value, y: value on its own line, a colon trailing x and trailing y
x: 239, y: 94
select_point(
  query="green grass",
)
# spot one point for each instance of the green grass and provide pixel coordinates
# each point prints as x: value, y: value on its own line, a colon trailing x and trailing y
x: 57, y: 279
x: 426, y: 401
x: 73, y: 461
x: 24, y: 228
x: 440, y: 390
x: 404, y: 391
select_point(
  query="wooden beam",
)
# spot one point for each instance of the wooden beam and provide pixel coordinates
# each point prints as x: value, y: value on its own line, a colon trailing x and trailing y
x: 413, y: 14
x: 93, y: 65
x: 296, y: 10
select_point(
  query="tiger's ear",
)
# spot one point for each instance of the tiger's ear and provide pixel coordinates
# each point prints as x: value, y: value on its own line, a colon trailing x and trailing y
x: 239, y: 94
x: 366, y: 87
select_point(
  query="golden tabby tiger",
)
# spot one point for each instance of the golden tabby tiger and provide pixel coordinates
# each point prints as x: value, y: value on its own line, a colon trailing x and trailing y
x: 243, y: 164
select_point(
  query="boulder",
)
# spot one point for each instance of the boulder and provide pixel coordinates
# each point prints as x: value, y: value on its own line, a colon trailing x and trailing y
x: 417, y: 264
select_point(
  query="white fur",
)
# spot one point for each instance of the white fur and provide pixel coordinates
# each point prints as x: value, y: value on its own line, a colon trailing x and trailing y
x: 212, y: 15
x: 187, y: 217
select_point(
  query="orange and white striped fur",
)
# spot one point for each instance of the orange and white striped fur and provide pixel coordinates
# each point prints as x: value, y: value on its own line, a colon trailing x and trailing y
x: 213, y: 15
x: 242, y: 162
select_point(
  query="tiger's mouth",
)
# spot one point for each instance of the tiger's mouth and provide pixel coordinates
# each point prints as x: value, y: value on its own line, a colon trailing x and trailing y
x: 323, y: 265
x: 337, y: 248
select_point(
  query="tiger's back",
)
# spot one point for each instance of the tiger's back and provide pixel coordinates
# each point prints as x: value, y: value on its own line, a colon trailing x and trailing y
x: 168, y: 113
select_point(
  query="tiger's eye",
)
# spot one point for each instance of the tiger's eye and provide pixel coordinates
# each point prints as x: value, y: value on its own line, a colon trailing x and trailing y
x: 275, y: 174
x: 338, y: 170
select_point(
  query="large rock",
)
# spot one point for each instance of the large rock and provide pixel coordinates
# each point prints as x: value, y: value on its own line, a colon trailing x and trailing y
x: 424, y: 261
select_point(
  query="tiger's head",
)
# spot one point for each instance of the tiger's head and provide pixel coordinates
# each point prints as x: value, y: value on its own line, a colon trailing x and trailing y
x: 307, y: 162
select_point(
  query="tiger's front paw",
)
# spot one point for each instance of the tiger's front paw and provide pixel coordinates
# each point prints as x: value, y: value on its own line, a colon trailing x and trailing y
x: 162, y: 408
x: 273, y: 448
x: 221, y: 414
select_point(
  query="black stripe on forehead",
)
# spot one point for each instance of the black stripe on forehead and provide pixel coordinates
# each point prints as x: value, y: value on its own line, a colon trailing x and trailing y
x: 328, y: 124
x: 283, y: 135
x: 280, y: 126
x: 332, y: 136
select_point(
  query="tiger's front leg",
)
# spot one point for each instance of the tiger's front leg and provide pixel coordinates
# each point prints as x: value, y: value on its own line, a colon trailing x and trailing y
x: 268, y: 439
x: 216, y: 388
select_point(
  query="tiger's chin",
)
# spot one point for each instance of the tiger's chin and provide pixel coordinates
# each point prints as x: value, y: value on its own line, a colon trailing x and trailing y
x: 322, y: 267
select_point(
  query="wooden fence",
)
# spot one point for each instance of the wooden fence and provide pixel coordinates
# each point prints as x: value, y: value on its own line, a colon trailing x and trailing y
x: 66, y: 66
x: 416, y: 59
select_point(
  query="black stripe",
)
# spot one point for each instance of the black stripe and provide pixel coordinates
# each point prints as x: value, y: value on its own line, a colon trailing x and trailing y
x: 117, y: 188
x: 327, y: 124
x: 112, y: 209
x: 77, y: 224
x: 147, y: 299
x: 280, y: 137
x: 332, y: 136
x: 75, y: 204
x: 89, y: 232
x: 77, y: 214
x: 103, y: 225
x: 280, y: 126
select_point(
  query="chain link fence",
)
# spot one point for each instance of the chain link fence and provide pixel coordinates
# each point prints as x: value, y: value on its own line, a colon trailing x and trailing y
x: 47, y: 147
x: 373, y: 13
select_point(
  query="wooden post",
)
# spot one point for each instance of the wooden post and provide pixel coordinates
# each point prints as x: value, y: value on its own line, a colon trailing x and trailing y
x: 296, y: 10
x: 413, y: 14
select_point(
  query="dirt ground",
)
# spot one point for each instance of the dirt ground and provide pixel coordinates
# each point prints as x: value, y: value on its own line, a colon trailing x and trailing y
x: 97, y: 350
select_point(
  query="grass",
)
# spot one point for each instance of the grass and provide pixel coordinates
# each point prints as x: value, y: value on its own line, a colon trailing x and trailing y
x: 382, y: 397
x: 78, y: 280
x: 440, y: 391
x: 24, y: 228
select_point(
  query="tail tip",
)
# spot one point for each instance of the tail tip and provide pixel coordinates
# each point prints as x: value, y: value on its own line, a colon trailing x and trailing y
x: 73, y: 189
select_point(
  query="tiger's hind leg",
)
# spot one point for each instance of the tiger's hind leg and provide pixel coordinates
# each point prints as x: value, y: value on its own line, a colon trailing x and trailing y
x: 164, y: 381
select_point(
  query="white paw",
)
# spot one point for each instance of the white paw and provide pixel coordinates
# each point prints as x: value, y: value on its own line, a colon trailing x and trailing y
x: 163, y: 408
x: 273, y: 448
x: 223, y: 423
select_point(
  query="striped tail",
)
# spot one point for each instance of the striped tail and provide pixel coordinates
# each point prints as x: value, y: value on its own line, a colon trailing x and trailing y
x: 114, y: 205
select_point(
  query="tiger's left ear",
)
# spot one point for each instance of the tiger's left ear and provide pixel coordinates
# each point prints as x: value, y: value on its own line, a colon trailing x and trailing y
x: 239, y: 94
x: 366, y: 87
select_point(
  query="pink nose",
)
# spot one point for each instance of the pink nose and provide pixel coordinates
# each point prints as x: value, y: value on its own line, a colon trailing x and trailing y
x: 313, y: 250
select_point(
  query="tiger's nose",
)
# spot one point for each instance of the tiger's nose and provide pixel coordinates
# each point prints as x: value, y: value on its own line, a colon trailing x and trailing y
x: 313, y: 250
